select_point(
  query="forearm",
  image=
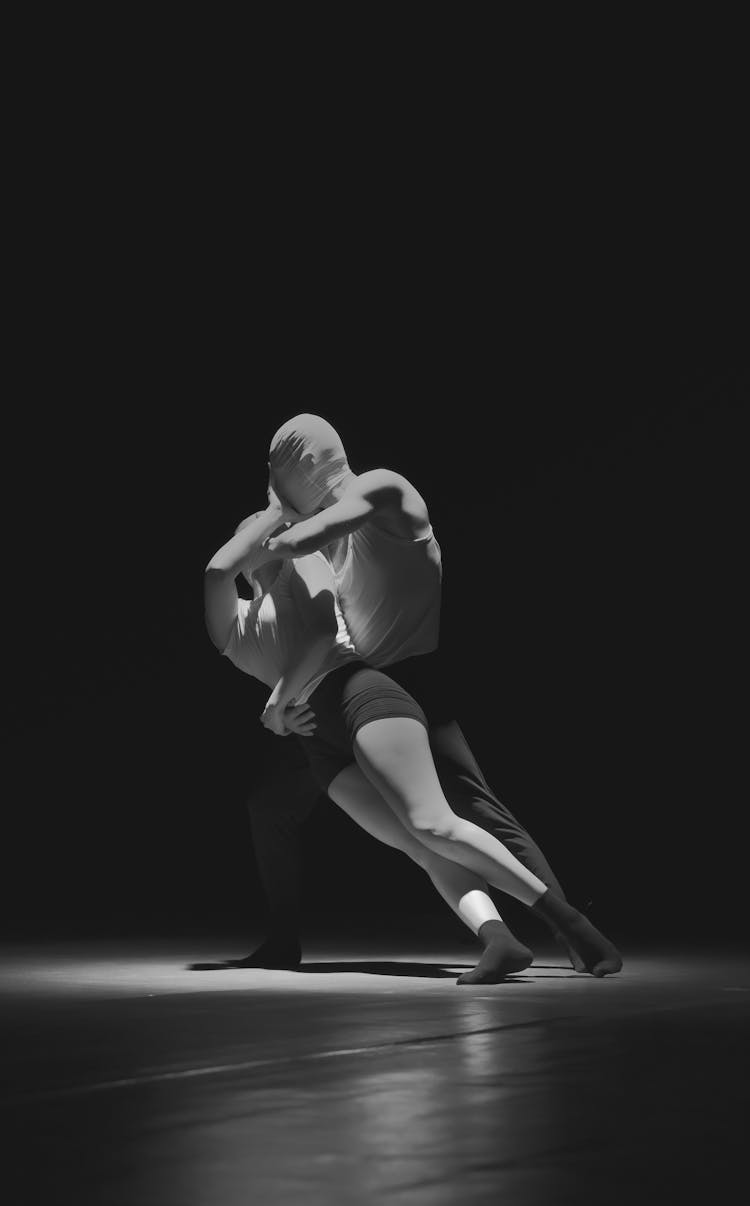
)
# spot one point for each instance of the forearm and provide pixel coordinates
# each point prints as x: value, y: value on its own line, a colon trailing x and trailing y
x: 303, y: 538
x: 376, y: 492
x: 245, y: 549
x: 311, y: 535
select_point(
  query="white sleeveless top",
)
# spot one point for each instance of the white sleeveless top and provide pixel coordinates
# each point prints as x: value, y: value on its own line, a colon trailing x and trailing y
x: 388, y: 588
x: 268, y: 635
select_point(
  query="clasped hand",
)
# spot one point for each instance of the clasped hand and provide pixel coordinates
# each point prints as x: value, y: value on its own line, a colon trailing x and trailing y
x: 293, y: 718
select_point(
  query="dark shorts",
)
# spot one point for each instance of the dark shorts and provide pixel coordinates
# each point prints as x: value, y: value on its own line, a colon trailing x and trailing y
x: 347, y: 699
x: 431, y: 678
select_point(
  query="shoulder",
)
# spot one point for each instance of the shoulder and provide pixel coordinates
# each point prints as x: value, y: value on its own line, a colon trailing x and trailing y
x: 396, y: 501
x: 382, y: 483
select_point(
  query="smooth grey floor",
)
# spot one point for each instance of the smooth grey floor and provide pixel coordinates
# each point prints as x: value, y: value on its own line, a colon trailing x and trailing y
x: 369, y: 1077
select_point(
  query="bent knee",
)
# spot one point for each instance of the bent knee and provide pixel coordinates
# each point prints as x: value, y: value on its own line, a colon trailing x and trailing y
x: 436, y: 827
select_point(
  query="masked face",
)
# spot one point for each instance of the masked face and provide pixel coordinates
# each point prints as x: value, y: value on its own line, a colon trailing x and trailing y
x: 308, y: 461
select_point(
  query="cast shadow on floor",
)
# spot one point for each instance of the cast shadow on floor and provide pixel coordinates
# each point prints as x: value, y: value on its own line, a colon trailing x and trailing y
x: 371, y: 967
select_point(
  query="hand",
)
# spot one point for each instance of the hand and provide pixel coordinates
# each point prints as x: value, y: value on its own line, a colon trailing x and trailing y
x: 272, y: 718
x: 293, y: 718
x: 299, y: 718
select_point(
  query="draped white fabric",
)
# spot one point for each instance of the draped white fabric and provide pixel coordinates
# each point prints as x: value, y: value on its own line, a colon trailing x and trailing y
x: 308, y: 460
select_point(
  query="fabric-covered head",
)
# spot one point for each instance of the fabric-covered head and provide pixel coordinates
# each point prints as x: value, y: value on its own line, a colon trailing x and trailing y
x: 308, y: 460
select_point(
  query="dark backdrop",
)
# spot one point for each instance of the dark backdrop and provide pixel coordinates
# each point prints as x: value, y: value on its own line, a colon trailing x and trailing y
x: 541, y: 331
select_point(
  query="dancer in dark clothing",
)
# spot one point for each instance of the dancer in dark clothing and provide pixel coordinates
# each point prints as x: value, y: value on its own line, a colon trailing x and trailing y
x: 287, y: 797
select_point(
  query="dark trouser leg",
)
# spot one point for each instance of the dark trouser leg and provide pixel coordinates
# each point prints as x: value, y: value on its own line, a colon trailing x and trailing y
x: 471, y: 797
x: 278, y: 808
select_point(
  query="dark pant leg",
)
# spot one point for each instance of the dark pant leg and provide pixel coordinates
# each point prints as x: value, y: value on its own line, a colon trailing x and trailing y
x: 471, y: 797
x: 278, y: 808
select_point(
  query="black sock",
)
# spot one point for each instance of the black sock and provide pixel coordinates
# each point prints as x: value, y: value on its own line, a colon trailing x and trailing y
x: 281, y: 952
x: 503, y: 955
x: 598, y: 955
x: 576, y: 962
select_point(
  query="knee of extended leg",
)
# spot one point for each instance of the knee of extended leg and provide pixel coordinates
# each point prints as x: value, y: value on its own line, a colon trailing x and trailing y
x: 435, y: 827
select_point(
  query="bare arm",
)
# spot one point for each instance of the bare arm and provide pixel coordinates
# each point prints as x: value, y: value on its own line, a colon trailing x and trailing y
x: 243, y: 551
x: 220, y: 600
x: 244, y: 548
x: 380, y: 493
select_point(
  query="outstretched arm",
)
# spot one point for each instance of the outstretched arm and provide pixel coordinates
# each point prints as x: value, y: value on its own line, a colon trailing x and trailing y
x: 381, y: 492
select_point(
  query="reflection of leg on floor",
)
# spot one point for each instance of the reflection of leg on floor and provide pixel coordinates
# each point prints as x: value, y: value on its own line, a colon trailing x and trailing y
x: 462, y: 889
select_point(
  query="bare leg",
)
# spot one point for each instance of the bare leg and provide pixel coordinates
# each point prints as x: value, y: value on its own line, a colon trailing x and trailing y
x: 460, y: 888
x: 357, y: 797
x: 394, y: 754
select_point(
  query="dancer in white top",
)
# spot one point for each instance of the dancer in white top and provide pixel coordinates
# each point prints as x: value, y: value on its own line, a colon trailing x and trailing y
x: 291, y: 636
x: 370, y: 525
x: 385, y: 739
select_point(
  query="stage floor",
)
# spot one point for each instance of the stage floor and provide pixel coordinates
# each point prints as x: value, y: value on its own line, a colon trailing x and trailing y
x: 368, y: 1077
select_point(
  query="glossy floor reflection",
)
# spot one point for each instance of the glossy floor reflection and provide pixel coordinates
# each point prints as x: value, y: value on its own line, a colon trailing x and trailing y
x: 368, y: 1077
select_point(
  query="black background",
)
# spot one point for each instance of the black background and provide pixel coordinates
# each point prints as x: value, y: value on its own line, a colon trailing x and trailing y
x: 520, y: 290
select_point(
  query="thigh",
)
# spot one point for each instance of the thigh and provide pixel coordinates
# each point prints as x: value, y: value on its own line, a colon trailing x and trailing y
x: 349, y: 699
x: 356, y: 796
x: 394, y: 754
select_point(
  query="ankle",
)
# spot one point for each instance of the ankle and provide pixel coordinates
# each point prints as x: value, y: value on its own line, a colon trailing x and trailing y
x: 491, y: 931
x: 554, y: 911
x: 282, y: 941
